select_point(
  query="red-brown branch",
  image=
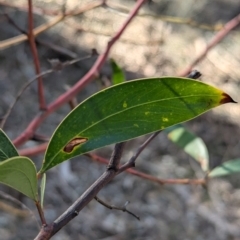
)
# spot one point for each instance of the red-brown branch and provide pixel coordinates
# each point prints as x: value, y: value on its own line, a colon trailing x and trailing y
x: 229, y: 26
x: 150, y: 177
x: 33, y: 151
x: 67, y: 96
x: 31, y: 38
x: 40, y: 212
x: 42, y: 147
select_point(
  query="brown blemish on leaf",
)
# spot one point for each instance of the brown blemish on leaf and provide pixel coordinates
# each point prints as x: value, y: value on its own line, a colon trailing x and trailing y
x: 73, y: 143
x: 226, y: 99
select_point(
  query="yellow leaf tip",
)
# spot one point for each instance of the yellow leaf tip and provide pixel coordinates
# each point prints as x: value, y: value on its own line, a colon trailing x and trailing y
x: 226, y: 99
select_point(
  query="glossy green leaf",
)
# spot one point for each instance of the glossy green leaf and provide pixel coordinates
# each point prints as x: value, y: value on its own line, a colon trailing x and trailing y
x: 129, y: 110
x: 7, y: 149
x: 20, y: 173
x: 118, y: 75
x: 191, y: 144
x: 227, y: 168
x: 43, y: 186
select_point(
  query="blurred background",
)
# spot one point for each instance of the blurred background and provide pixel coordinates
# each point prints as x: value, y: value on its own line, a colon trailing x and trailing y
x: 162, y: 41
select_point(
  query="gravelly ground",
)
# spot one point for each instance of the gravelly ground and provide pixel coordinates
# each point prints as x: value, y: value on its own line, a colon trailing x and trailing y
x: 149, y: 47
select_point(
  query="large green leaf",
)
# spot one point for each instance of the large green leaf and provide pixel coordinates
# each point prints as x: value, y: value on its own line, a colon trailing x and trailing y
x: 20, y: 173
x: 227, y: 168
x: 191, y: 144
x: 129, y: 110
x: 7, y: 149
x: 118, y: 75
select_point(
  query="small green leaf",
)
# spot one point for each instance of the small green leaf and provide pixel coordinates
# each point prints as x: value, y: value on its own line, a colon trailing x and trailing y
x: 129, y: 110
x: 191, y: 144
x: 20, y: 173
x: 43, y: 186
x: 227, y: 168
x: 118, y: 75
x: 7, y: 149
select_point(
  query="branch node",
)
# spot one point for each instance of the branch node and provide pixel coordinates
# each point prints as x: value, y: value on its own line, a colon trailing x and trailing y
x: 112, y: 168
x: 76, y: 213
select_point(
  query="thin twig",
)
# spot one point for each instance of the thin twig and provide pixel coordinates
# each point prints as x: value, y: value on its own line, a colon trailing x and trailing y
x: 80, y: 28
x: 41, y: 213
x: 124, y: 208
x: 150, y: 177
x: 6, y: 207
x: 17, y: 203
x: 40, y: 138
x: 31, y: 38
x: 21, y: 38
x: 13, y: 23
x: 215, y: 40
x: 36, y: 10
x: 73, y: 102
x: 33, y: 47
x: 4, y: 119
x: 54, y: 47
x: 33, y: 151
x: 59, y: 66
x: 121, y: 9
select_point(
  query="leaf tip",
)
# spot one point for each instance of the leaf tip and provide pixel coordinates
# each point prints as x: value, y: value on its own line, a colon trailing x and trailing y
x: 226, y: 99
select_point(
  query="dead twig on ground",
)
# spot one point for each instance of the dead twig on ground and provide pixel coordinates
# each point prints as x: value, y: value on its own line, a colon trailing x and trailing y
x: 18, y: 39
x: 21, y: 38
x: 54, y: 47
x: 121, y: 9
x: 49, y: 12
